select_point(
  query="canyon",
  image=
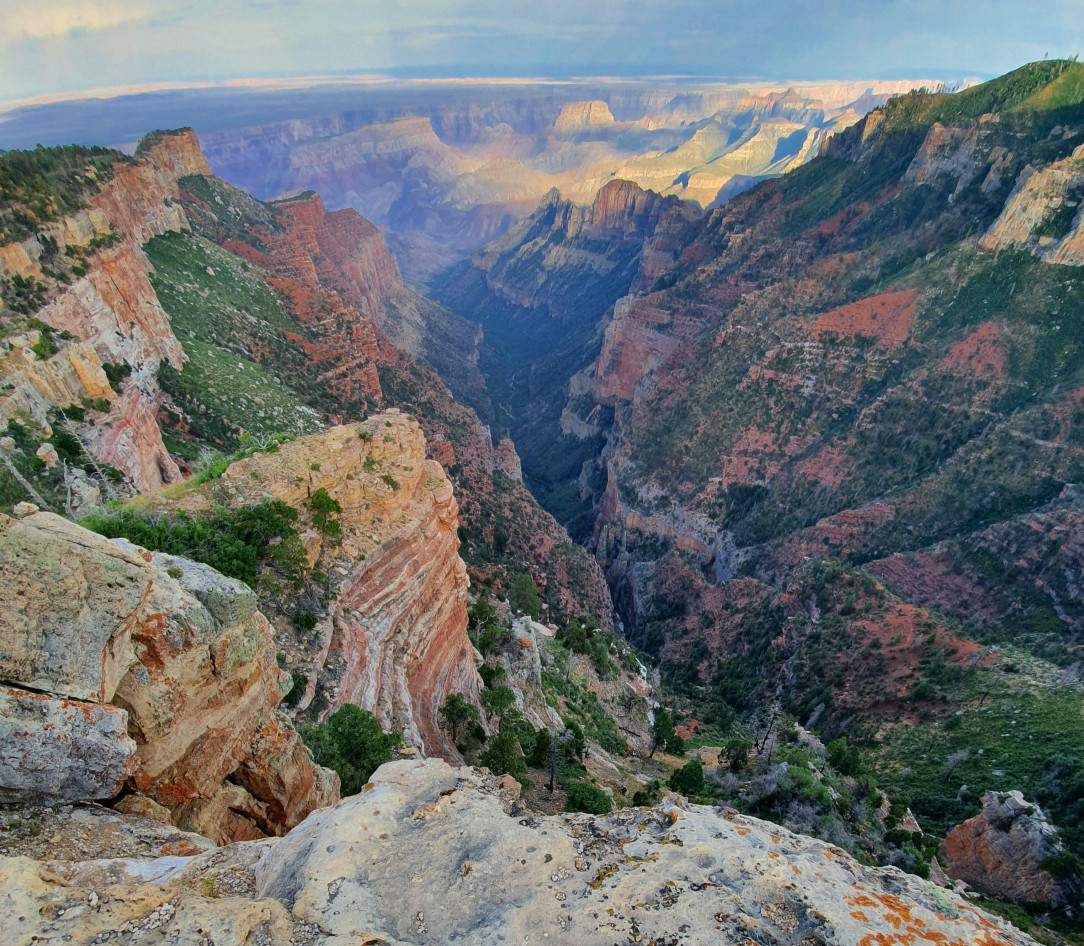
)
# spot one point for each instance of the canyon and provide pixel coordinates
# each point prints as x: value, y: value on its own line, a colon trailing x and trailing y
x: 810, y: 445
x: 445, y: 168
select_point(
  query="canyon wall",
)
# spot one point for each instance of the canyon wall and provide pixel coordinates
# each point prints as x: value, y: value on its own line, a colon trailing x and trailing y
x: 393, y: 638
x: 111, y: 309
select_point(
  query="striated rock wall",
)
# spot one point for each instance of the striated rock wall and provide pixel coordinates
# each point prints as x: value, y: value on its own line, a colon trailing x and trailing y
x: 431, y: 853
x: 153, y: 674
x: 345, y: 252
x: 113, y: 308
x: 395, y: 638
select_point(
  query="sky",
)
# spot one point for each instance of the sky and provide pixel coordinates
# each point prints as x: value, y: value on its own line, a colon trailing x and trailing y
x: 54, y: 47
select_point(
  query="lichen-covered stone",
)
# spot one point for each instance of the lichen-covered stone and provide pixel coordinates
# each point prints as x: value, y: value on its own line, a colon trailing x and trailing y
x: 428, y: 853
x: 54, y: 750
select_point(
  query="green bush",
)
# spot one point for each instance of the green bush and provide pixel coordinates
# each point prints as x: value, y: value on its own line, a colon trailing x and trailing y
x: 236, y: 542
x: 736, y: 752
x: 689, y: 779
x: 583, y: 796
x: 323, y: 507
x: 523, y: 596
x: 503, y: 757
x: 352, y: 743
x: 305, y: 620
x: 647, y: 796
x: 300, y: 682
x: 1063, y: 866
x: 457, y: 713
x: 44, y: 347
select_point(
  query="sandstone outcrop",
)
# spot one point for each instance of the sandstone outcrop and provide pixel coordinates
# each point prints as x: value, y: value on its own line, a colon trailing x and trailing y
x: 127, y: 669
x: 395, y: 637
x: 1043, y: 215
x: 581, y: 114
x: 429, y: 853
x: 1000, y: 851
x: 59, y: 750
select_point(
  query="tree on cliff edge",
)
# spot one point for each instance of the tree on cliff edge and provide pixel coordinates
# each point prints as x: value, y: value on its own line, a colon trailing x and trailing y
x: 457, y: 712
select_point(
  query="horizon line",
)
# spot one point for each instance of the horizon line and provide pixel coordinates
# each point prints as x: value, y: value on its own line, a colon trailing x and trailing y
x: 104, y: 93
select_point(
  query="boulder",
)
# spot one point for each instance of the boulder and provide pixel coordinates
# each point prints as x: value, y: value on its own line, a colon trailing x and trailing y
x: 999, y: 852
x: 428, y: 853
x: 153, y: 672
x: 46, y: 452
x: 55, y: 750
x: 71, y: 599
x: 521, y: 656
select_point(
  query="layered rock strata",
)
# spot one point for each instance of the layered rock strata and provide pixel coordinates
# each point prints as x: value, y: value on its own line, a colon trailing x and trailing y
x: 394, y: 640
x: 124, y: 669
x: 111, y: 311
x: 428, y: 853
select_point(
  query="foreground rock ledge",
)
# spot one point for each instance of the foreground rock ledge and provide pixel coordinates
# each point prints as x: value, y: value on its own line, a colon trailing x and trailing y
x: 428, y: 853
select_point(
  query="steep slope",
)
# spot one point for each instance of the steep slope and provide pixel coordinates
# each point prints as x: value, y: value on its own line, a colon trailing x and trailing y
x: 390, y: 635
x: 543, y: 294
x: 313, y: 334
x: 78, y: 270
x: 675, y: 873
x: 840, y: 442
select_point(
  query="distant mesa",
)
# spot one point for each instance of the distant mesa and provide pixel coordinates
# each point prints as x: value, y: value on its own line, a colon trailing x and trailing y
x: 582, y: 114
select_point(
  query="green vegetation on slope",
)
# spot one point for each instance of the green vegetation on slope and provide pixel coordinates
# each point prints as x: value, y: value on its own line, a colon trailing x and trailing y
x: 1031, y: 740
x: 41, y: 186
x: 236, y: 542
x: 226, y: 315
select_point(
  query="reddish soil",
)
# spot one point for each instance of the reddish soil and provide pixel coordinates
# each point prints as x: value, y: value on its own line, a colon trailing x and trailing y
x: 886, y: 319
x: 829, y: 466
x: 757, y: 455
x: 935, y: 580
x: 982, y: 354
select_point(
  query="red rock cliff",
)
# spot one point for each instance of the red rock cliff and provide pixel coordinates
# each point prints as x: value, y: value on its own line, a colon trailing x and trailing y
x: 394, y: 640
x: 113, y: 307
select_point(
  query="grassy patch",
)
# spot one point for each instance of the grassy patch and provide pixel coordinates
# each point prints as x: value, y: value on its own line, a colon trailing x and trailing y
x: 1034, y: 739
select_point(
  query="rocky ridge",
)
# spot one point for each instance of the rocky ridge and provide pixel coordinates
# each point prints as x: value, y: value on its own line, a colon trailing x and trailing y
x: 111, y: 313
x: 445, y: 176
x: 431, y: 853
x: 392, y: 638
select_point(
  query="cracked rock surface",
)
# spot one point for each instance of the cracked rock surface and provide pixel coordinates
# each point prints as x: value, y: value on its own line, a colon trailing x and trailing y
x: 430, y: 853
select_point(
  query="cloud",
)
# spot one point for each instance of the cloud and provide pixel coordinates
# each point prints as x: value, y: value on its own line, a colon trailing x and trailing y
x: 50, y: 19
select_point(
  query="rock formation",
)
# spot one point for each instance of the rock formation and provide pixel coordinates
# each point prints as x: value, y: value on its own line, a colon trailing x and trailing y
x: 1043, y: 215
x: 394, y: 640
x: 111, y: 310
x: 581, y: 114
x: 445, y: 177
x: 430, y: 853
x: 127, y: 670
x: 1000, y: 851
